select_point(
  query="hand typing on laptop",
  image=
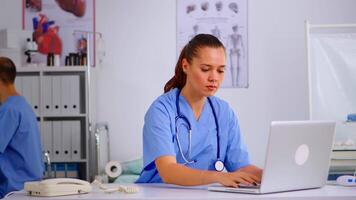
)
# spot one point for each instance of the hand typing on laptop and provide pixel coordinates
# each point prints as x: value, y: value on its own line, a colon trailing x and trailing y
x: 247, y: 176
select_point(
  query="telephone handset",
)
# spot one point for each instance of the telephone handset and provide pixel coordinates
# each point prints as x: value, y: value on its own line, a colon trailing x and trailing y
x: 57, y: 187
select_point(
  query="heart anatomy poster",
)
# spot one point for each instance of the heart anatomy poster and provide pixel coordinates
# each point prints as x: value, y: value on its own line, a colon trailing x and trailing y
x: 60, y: 27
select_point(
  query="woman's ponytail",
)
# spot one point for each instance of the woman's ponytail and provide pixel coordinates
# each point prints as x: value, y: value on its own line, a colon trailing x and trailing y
x: 179, y: 78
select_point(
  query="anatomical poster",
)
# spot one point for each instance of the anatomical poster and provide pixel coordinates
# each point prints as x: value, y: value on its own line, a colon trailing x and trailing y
x: 60, y: 27
x: 225, y: 19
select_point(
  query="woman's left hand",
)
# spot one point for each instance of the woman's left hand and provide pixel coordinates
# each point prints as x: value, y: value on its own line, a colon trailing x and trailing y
x: 251, y: 169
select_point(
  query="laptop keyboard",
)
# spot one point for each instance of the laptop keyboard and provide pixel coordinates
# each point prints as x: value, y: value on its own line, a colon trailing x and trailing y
x: 249, y: 186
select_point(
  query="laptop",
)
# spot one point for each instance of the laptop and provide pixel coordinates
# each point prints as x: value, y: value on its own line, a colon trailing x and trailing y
x: 297, y: 157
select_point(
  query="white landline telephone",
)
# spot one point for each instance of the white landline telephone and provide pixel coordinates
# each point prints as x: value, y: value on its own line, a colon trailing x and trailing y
x: 57, y: 187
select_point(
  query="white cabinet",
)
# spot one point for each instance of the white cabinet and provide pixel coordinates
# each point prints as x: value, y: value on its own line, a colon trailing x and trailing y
x: 59, y: 97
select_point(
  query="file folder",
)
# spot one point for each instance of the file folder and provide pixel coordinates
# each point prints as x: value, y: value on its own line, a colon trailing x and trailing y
x: 65, y: 94
x: 40, y: 128
x: 66, y: 140
x: 31, y: 91
x: 50, y: 171
x: 26, y: 89
x: 76, y: 140
x: 74, y: 94
x: 56, y: 95
x: 35, y: 94
x: 57, y: 140
x: 47, y: 108
x: 72, y: 170
x: 18, y: 84
x: 60, y: 170
x: 47, y: 134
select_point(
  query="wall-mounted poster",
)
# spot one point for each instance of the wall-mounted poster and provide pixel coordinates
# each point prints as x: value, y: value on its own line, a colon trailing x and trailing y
x: 225, y: 19
x: 58, y: 27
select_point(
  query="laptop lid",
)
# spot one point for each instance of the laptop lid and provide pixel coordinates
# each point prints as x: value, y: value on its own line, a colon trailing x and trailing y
x: 298, y: 155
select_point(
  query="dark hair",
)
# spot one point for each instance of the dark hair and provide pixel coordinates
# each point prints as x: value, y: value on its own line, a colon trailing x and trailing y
x: 7, y: 70
x: 190, y: 51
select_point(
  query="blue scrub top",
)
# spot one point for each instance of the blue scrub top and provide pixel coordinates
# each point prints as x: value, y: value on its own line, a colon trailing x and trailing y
x: 20, y: 145
x: 159, y: 136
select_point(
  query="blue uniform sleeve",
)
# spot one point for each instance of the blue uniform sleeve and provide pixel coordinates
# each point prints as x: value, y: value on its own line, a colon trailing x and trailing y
x: 236, y: 155
x: 157, y: 134
x: 8, y: 125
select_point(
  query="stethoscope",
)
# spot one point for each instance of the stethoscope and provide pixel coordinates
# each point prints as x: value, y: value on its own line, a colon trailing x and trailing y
x: 219, y: 165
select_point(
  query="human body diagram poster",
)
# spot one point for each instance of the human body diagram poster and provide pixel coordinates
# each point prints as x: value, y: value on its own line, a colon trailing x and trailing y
x: 225, y: 19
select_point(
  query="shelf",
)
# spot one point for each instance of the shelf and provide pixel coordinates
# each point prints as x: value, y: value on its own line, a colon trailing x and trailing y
x: 52, y: 69
x: 41, y: 85
x: 65, y: 116
x: 69, y: 161
x: 342, y: 163
x: 344, y: 148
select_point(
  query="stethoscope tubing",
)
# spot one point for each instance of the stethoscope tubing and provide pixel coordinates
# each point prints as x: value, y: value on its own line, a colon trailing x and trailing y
x: 185, y: 119
x: 189, y: 149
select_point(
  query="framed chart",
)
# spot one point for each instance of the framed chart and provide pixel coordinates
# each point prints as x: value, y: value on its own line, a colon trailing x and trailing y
x: 227, y: 20
x: 54, y: 24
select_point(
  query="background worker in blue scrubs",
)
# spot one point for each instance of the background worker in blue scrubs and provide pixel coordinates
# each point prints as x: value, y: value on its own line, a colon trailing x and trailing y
x: 191, y: 137
x: 20, y: 145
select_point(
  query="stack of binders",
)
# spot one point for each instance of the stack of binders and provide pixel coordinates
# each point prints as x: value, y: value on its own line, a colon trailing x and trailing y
x: 61, y: 95
x: 62, y: 140
x: 63, y: 170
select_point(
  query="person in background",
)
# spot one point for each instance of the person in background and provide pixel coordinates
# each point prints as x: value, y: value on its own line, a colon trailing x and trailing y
x: 192, y: 133
x: 20, y: 144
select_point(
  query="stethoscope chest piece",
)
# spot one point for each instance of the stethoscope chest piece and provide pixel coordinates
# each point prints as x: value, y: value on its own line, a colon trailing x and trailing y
x: 219, y: 166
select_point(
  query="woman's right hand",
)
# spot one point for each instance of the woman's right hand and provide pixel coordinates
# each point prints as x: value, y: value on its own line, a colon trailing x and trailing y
x: 233, y: 179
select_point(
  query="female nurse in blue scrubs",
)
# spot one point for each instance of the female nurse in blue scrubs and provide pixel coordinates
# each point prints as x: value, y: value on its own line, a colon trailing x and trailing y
x: 20, y: 144
x: 191, y: 137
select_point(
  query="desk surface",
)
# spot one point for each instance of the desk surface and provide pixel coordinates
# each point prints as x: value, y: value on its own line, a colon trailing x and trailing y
x: 170, y: 192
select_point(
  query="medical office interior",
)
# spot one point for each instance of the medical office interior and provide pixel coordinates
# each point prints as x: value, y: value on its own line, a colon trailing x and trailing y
x: 135, y: 54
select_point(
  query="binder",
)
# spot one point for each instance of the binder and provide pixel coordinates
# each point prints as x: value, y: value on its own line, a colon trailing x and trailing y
x: 26, y: 89
x: 72, y: 170
x: 40, y: 128
x: 57, y: 140
x: 18, y: 84
x: 53, y: 171
x: 35, y: 94
x: 56, y: 95
x: 65, y: 94
x: 60, y: 170
x: 46, y: 134
x: 46, y: 171
x: 29, y: 87
x: 74, y: 94
x: 50, y: 171
x: 76, y: 141
x: 47, y: 107
x: 66, y: 140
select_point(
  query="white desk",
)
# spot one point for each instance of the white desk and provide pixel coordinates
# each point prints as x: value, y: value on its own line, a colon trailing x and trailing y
x: 162, y: 191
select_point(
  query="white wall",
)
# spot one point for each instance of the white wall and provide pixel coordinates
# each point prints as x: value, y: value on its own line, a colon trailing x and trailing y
x: 142, y: 59
x: 11, y: 14
x: 140, y: 46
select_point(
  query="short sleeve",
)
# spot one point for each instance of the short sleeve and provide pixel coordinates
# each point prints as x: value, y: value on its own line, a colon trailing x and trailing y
x: 236, y: 155
x: 8, y: 125
x: 157, y: 134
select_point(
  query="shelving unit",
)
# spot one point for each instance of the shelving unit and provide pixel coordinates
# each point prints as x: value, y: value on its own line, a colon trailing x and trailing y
x: 343, y: 157
x: 59, y: 96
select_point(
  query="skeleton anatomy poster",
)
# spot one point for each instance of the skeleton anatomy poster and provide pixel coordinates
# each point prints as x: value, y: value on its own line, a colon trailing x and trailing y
x: 225, y: 19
